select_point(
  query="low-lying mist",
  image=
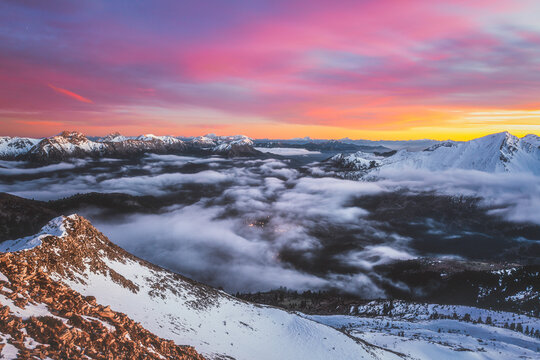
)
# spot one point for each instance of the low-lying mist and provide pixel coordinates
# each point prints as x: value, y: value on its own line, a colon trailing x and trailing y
x: 258, y: 224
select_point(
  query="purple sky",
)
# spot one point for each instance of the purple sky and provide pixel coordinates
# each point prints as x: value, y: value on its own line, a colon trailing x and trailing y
x: 363, y: 69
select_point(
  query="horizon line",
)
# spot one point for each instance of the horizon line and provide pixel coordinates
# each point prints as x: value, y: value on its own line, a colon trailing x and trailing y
x: 307, y: 138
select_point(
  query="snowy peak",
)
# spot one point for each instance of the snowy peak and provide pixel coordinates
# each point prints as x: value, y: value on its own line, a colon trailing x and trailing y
x: 204, y: 141
x: 222, y: 144
x: 74, y: 137
x: 66, y: 145
x: 55, y: 228
x: 236, y: 146
x: 13, y: 147
x: 43, y: 318
x: 359, y: 161
x: 113, y: 137
x: 531, y: 140
x: 152, y: 137
x: 509, y: 146
x: 501, y: 152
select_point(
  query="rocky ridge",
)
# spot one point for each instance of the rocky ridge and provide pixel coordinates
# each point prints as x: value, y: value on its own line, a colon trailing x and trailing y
x: 42, y: 318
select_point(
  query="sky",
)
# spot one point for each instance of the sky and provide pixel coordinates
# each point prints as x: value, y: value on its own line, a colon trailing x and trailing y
x: 371, y: 69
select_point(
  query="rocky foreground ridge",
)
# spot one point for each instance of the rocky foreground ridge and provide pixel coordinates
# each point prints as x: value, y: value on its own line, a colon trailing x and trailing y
x: 43, y: 318
x: 72, y: 144
x: 66, y: 288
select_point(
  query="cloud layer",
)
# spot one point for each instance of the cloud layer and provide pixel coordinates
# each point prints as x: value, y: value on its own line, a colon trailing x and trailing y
x: 250, y: 225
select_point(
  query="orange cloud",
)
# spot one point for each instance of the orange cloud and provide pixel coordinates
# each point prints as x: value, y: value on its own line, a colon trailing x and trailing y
x: 71, y: 94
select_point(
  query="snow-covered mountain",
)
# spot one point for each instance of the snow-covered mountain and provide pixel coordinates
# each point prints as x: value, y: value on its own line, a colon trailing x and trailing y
x: 43, y: 319
x: 502, y: 152
x: 75, y: 254
x: 231, y: 145
x: 204, y: 141
x: 234, y: 146
x: 76, y: 145
x: 12, y: 147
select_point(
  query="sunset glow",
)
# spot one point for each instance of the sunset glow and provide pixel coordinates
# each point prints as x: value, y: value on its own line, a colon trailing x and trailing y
x: 281, y: 69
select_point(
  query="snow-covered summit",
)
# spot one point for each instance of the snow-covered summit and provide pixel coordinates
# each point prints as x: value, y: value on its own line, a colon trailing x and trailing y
x: 501, y: 152
x: 113, y: 137
x: 222, y: 142
x: 358, y: 161
x: 240, y: 142
x: 55, y: 227
x: 205, y: 141
x: 531, y: 140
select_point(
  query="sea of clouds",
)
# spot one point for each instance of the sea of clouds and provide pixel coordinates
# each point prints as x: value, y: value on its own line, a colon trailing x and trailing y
x: 265, y: 223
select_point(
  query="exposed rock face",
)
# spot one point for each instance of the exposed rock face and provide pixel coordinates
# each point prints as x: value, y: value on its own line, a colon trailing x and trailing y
x: 42, y: 318
x: 68, y: 145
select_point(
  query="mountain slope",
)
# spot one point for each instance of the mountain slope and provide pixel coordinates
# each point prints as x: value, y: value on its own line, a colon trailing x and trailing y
x: 42, y: 318
x: 70, y: 250
x: 494, y: 153
x: 431, y: 331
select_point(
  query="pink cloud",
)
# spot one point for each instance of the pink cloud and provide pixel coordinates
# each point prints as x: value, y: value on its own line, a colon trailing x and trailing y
x: 71, y: 94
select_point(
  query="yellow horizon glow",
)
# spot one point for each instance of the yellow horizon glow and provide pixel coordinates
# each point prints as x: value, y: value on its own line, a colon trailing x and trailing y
x: 436, y: 124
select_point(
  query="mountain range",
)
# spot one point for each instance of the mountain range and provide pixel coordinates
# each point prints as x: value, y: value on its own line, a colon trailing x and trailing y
x: 74, y: 144
x: 495, y: 153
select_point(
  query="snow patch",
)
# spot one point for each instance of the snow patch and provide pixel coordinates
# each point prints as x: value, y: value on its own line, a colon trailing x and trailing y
x: 55, y: 227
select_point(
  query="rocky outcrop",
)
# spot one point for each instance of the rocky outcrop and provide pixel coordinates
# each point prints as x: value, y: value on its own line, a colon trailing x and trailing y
x: 69, y: 248
x: 10, y: 147
x: 42, y: 318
